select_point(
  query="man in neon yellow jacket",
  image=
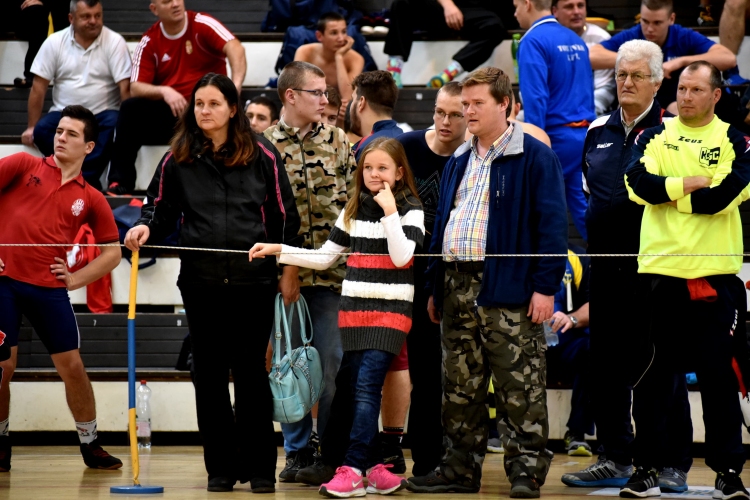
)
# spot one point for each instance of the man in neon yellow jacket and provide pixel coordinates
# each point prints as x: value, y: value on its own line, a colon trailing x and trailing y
x: 692, y: 173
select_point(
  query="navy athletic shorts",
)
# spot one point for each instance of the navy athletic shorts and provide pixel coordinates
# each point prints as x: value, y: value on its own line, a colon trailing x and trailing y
x: 48, y: 310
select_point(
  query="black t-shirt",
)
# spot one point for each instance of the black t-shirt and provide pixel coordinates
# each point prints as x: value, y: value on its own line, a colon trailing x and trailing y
x: 427, y: 168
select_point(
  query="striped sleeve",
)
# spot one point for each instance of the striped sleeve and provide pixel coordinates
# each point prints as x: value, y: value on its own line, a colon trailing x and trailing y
x: 213, y: 31
x: 412, y: 221
x: 144, y: 62
x: 339, y: 234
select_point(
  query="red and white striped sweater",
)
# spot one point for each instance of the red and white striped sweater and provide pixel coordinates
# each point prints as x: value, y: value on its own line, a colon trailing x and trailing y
x: 378, y: 290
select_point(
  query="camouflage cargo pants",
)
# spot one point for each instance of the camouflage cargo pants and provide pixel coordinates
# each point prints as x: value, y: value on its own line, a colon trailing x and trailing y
x: 478, y: 343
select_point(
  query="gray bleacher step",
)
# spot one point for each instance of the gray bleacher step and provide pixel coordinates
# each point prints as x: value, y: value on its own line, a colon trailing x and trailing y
x: 159, y: 339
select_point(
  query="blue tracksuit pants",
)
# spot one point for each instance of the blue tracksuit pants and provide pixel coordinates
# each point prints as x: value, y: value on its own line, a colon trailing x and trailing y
x: 567, y: 143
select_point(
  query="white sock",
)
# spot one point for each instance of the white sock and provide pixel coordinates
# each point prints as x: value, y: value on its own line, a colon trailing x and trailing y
x: 86, y: 431
x: 4, y: 428
x: 315, y: 425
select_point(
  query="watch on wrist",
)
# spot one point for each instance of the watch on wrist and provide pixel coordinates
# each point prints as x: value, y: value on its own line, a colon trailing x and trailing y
x: 573, y: 320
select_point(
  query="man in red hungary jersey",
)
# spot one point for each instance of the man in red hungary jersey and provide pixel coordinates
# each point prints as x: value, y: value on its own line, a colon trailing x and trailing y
x: 167, y: 63
x: 47, y: 200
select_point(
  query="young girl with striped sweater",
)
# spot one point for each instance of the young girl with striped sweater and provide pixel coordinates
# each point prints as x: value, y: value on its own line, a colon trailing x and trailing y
x: 381, y: 225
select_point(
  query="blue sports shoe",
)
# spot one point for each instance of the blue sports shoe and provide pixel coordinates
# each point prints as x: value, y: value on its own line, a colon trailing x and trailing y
x: 732, y: 77
x: 603, y: 473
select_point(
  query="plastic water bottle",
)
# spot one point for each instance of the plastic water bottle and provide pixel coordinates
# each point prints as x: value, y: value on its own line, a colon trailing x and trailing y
x: 549, y: 335
x: 514, y: 52
x: 143, y: 415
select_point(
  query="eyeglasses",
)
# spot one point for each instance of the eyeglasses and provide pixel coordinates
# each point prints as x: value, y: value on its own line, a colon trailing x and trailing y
x: 315, y: 93
x: 635, y: 77
x: 452, y: 116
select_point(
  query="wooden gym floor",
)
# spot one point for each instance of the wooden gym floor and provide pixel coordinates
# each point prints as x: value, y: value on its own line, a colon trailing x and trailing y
x: 57, y: 472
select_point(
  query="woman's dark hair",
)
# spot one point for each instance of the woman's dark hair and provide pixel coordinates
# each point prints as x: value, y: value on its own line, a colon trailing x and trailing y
x: 241, y: 146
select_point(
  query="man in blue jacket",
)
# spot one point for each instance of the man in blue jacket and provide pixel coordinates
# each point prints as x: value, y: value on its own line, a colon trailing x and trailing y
x: 500, y: 193
x: 557, y: 89
x: 614, y: 224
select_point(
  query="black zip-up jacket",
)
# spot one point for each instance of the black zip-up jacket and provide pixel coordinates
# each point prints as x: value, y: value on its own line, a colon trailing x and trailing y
x: 223, y: 207
x: 612, y: 220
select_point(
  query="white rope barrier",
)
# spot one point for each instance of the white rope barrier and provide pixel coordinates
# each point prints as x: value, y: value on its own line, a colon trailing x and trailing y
x: 344, y: 254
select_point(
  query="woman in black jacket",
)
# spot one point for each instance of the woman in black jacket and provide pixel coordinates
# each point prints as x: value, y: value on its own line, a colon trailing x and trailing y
x: 230, y: 190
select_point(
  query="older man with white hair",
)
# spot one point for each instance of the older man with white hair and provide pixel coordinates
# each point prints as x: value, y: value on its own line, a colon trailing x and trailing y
x: 614, y: 224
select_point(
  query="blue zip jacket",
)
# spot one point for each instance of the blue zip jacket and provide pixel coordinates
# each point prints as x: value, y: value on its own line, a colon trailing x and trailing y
x: 612, y: 220
x: 527, y: 214
x: 555, y: 76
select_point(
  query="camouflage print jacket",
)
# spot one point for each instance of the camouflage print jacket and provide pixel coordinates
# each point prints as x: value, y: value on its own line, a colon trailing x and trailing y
x: 321, y: 171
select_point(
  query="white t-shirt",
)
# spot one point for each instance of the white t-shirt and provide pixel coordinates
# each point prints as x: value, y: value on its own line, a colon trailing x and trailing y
x: 84, y: 76
x: 604, y: 79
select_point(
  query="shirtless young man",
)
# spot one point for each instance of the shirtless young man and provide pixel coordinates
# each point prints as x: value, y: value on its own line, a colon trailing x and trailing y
x: 333, y: 55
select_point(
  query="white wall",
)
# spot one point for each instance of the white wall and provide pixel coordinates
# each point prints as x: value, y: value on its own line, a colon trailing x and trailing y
x: 40, y: 406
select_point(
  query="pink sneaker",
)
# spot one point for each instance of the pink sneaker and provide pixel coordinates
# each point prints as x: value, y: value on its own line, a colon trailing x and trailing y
x: 382, y: 481
x: 346, y: 483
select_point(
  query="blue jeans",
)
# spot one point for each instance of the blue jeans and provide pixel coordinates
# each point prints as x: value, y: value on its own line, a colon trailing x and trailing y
x: 369, y: 368
x: 97, y: 160
x: 324, y: 312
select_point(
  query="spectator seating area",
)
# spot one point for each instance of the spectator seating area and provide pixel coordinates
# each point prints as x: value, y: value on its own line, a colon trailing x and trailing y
x: 160, y: 335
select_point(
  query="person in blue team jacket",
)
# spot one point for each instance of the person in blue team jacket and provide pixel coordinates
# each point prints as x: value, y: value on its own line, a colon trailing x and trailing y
x: 557, y: 90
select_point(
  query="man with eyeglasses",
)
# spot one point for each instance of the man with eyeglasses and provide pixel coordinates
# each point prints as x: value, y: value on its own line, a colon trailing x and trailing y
x: 320, y: 166
x: 371, y: 108
x: 427, y: 152
x: 614, y: 226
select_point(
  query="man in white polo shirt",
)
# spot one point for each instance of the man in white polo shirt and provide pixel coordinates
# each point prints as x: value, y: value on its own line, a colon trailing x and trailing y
x: 90, y: 65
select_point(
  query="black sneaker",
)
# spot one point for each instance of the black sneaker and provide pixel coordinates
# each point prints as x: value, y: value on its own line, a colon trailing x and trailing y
x: 317, y: 473
x: 95, y: 457
x: 294, y: 463
x: 524, y: 487
x: 393, y: 455
x: 729, y: 485
x: 260, y: 485
x: 5, y: 450
x: 436, y: 482
x: 220, y: 483
x: 643, y: 483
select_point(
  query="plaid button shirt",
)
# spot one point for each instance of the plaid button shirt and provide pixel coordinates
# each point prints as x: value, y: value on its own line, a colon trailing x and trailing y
x: 466, y: 232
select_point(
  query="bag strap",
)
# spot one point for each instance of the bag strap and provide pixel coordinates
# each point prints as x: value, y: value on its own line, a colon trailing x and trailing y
x: 281, y: 324
x: 303, y: 313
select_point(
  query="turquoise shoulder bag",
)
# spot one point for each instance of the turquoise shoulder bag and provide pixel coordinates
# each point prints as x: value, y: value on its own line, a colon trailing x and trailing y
x: 296, y: 376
